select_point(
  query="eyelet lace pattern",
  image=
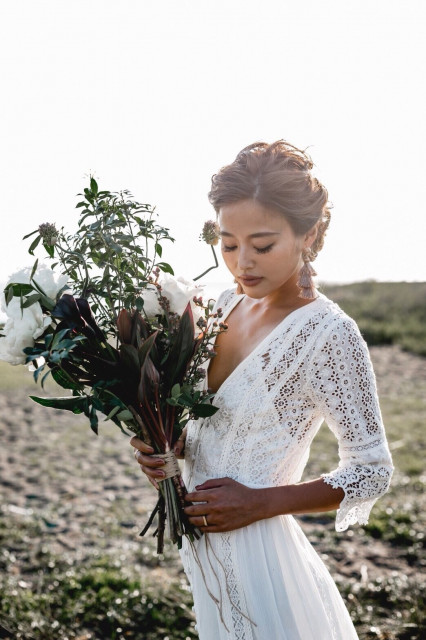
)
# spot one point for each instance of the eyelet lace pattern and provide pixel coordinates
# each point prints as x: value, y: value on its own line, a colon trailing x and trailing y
x: 313, y: 366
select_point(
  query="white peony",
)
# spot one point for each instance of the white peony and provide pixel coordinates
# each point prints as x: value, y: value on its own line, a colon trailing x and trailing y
x: 178, y: 292
x: 23, y: 326
x: 48, y: 280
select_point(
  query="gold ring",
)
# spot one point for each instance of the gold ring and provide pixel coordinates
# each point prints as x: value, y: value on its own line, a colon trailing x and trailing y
x: 206, y: 524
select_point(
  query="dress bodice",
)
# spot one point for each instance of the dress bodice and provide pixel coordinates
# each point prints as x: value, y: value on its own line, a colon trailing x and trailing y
x: 313, y: 366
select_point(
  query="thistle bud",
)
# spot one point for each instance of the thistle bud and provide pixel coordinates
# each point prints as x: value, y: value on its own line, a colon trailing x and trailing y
x: 49, y: 233
x: 210, y: 233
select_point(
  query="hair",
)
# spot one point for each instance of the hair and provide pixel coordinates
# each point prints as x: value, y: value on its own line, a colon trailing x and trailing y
x: 278, y: 177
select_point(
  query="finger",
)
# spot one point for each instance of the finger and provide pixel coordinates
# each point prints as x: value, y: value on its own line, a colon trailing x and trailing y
x: 154, y: 483
x: 148, y: 461
x: 179, y: 447
x: 196, y: 510
x: 197, y: 496
x: 199, y: 523
x: 139, y: 444
x: 180, y: 443
x: 213, y: 483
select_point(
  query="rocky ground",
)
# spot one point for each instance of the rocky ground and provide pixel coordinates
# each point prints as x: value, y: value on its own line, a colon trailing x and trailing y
x: 77, y: 496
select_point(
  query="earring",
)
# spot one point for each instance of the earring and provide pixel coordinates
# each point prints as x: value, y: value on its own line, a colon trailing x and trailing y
x: 305, y: 282
x: 239, y: 289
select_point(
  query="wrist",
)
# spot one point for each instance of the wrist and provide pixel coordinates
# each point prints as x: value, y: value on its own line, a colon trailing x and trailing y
x: 264, y: 503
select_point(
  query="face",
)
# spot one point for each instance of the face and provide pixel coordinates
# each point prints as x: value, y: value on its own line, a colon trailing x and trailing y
x: 260, y: 248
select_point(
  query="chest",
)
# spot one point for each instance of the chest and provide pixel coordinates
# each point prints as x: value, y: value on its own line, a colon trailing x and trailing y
x: 245, y: 332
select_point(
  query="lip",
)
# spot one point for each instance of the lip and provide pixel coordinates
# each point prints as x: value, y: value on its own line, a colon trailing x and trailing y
x: 250, y: 281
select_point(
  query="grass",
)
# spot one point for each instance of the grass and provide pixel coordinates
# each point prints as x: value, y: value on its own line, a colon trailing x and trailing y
x: 386, y: 312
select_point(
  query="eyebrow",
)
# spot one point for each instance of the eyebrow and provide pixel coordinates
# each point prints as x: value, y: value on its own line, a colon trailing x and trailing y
x: 260, y: 234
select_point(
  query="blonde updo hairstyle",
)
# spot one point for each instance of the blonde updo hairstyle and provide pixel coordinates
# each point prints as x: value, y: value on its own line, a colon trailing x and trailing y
x: 278, y: 177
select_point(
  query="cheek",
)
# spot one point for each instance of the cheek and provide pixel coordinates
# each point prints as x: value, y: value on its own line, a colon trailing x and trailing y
x: 228, y: 258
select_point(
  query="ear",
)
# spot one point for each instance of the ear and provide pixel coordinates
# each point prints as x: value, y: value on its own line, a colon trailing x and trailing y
x: 310, y: 236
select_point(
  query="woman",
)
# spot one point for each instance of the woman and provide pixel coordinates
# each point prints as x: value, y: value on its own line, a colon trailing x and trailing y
x: 289, y: 360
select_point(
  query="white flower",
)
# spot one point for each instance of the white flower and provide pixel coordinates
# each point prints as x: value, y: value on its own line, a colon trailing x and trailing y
x: 49, y: 281
x: 21, y: 329
x: 23, y: 326
x: 178, y: 292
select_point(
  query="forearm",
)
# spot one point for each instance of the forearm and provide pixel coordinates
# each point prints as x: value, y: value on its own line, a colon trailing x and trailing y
x: 306, y: 497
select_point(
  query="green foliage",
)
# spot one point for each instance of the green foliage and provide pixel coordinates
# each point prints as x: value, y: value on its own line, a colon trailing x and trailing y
x: 386, y: 312
x: 111, y: 256
x: 96, y: 598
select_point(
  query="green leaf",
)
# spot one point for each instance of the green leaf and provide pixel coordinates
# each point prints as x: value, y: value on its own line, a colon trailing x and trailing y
x: 30, y: 234
x: 175, y: 391
x: 34, y: 269
x: 164, y: 266
x: 33, y: 245
x: 76, y: 404
x: 31, y: 300
x: 158, y: 249
x: 94, y: 186
x: 139, y: 302
x: 204, y: 410
x: 64, y: 381
x: 125, y: 415
x: 93, y: 418
x: 50, y: 249
x: 44, y: 378
x: 112, y: 413
x: 9, y: 295
x: 18, y: 289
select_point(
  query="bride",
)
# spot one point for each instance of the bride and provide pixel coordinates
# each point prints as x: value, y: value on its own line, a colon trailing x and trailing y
x: 290, y: 360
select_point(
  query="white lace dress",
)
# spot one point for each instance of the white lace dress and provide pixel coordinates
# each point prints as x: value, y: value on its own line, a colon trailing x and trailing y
x: 269, y: 582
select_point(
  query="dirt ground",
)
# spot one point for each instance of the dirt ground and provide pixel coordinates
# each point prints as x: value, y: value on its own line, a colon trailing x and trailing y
x: 87, y: 494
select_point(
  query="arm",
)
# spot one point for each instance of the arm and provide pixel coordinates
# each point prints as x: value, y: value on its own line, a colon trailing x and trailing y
x: 342, y: 383
x: 227, y: 504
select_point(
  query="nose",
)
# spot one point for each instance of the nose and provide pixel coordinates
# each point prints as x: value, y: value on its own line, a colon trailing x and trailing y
x: 245, y: 259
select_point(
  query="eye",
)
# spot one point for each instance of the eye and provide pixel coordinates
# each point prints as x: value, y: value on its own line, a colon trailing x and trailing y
x: 264, y: 249
x: 225, y: 248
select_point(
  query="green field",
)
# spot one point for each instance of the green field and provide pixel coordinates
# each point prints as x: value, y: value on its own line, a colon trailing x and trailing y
x: 386, y: 312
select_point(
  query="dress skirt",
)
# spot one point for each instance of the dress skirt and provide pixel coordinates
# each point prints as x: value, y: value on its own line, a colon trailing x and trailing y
x: 269, y: 584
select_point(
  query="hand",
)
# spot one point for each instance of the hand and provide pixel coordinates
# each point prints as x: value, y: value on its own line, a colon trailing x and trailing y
x: 179, y: 446
x: 149, y: 464
x: 225, y: 504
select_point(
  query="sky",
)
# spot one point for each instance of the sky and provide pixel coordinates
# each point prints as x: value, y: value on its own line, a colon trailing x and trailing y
x: 155, y: 97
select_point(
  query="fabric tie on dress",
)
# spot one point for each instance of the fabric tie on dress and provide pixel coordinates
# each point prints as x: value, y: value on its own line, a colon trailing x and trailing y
x: 171, y: 467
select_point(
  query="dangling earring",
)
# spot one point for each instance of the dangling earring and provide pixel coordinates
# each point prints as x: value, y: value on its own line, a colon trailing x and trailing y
x: 239, y: 289
x: 305, y: 282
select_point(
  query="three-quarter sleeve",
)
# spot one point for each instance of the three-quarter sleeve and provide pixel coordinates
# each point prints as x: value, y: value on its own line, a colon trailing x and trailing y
x: 343, y: 385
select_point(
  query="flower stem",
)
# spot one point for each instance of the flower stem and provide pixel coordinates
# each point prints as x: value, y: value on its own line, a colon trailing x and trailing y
x: 216, y: 264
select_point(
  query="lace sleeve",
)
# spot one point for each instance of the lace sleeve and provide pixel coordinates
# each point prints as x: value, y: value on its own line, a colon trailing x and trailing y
x: 343, y: 384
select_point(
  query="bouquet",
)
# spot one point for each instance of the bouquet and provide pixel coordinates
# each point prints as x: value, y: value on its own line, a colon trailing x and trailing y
x: 119, y: 331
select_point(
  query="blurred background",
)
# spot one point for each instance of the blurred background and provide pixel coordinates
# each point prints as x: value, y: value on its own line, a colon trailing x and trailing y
x: 155, y: 97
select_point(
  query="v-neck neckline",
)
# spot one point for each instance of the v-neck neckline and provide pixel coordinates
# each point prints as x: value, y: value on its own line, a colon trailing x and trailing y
x: 291, y: 315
